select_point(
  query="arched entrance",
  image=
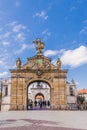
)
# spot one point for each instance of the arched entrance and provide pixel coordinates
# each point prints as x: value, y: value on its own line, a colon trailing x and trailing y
x: 38, y: 95
x: 31, y: 78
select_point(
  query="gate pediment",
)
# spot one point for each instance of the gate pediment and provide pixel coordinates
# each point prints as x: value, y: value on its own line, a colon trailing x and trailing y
x: 39, y: 62
x: 38, y: 66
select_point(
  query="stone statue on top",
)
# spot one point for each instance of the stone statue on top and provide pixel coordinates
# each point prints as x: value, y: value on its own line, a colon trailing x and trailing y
x: 40, y: 46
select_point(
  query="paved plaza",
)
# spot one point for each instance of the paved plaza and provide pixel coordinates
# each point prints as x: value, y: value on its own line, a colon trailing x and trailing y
x: 43, y: 120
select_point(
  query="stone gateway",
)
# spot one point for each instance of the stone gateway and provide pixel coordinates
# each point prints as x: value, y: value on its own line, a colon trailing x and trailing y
x: 38, y: 69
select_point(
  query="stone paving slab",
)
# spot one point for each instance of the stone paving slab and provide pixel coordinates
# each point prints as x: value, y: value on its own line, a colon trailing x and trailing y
x: 43, y: 120
x: 38, y: 128
x: 29, y: 124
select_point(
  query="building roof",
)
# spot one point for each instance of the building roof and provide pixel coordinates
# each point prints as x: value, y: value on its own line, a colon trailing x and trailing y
x: 82, y: 91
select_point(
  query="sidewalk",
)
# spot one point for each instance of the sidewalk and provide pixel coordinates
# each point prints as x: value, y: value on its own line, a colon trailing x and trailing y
x: 43, y: 120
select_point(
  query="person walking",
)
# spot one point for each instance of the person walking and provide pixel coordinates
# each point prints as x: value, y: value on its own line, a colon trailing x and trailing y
x: 48, y: 103
x: 40, y: 104
x: 35, y: 103
x: 31, y: 104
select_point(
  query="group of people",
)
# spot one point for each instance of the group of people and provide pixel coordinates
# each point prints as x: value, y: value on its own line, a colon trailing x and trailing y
x: 38, y: 104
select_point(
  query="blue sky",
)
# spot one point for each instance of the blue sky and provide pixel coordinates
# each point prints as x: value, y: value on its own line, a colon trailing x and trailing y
x: 61, y: 24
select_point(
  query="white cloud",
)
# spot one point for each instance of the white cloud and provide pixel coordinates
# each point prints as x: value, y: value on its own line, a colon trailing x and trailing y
x: 77, y: 83
x: 3, y: 74
x: 19, y: 37
x: 54, y: 61
x: 12, y: 23
x: 14, y: 66
x: 42, y: 14
x: 4, y: 35
x: 24, y: 47
x: 73, y: 8
x: 74, y: 42
x: 85, y: 21
x: 12, y: 35
x: 15, y: 32
x: 61, y: 51
x: 17, y: 3
x: 1, y: 62
x: 50, y: 52
x: 5, y: 43
x: 76, y: 57
x: 46, y: 32
x: 7, y: 34
x: 84, y: 30
x: 18, y: 27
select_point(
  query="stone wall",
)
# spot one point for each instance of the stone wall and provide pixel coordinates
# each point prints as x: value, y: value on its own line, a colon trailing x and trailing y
x: 21, y: 81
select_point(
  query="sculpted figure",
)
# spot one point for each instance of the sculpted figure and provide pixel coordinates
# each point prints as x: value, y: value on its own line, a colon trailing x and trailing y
x: 59, y: 63
x: 40, y: 45
x: 18, y: 63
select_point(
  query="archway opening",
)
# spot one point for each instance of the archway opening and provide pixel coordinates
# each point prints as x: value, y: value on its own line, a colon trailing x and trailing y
x: 38, y: 96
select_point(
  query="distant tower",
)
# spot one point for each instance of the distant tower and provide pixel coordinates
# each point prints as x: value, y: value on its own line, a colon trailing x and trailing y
x: 73, y: 82
x: 73, y: 85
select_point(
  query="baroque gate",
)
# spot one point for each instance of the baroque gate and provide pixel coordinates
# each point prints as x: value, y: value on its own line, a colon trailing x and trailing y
x: 38, y: 68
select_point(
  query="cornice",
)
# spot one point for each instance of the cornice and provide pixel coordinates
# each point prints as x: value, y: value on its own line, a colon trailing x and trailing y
x: 35, y: 70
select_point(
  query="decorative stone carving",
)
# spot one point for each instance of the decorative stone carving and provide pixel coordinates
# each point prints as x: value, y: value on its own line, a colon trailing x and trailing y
x: 59, y: 63
x: 39, y: 72
x: 18, y: 63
